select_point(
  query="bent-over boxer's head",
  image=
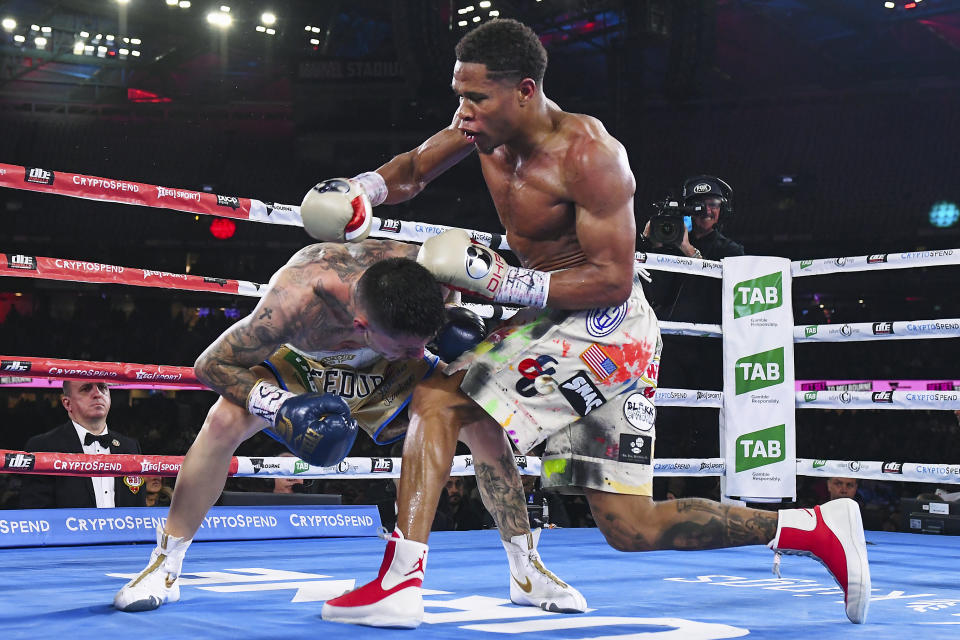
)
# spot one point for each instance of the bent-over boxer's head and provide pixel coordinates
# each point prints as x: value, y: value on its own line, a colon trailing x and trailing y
x: 400, y: 308
x: 499, y: 72
x: 87, y: 402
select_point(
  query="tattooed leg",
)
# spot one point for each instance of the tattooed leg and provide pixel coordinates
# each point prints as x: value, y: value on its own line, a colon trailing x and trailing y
x: 497, y: 477
x: 637, y: 523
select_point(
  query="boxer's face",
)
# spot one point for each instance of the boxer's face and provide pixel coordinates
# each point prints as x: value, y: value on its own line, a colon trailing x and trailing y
x: 488, y: 113
x: 395, y: 347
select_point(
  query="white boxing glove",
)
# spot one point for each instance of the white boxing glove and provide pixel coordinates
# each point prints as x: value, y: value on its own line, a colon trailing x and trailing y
x: 341, y: 209
x: 455, y: 260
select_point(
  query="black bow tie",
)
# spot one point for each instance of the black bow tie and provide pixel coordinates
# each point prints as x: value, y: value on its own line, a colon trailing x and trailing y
x: 104, y: 440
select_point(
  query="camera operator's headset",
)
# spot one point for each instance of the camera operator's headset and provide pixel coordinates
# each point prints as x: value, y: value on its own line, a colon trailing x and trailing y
x: 701, y: 186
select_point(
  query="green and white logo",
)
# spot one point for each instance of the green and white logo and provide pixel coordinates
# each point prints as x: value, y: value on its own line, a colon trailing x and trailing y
x: 810, y: 396
x: 300, y: 466
x: 810, y: 331
x: 759, y: 294
x: 760, y: 448
x: 805, y: 264
x: 819, y: 463
x: 764, y: 369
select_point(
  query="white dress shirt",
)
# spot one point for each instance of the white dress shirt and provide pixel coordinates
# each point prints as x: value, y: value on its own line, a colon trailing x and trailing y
x: 102, y: 487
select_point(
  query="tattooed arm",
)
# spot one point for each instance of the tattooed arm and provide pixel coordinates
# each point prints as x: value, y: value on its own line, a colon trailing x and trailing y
x: 225, y: 365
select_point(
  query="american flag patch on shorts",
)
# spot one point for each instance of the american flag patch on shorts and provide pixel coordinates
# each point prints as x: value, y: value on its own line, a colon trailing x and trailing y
x: 599, y: 362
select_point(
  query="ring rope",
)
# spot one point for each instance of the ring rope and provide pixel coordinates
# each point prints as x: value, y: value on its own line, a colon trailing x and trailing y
x: 61, y: 269
x: 162, y: 375
x: 359, y: 468
x: 197, y: 202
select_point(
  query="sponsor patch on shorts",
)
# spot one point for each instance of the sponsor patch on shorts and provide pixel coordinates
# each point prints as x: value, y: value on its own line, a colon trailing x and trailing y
x: 603, y: 322
x: 582, y: 394
x: 635, y: 449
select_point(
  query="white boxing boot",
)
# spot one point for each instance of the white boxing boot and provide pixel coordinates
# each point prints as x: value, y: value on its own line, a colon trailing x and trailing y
x: 832, y: 534
x: 158, y: 582
x: 532, y: 584
x: 395, y: 598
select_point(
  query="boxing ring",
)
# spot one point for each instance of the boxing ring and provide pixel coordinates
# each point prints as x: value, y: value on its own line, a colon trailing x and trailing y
x: 271, y: 588
x: 274, y: 589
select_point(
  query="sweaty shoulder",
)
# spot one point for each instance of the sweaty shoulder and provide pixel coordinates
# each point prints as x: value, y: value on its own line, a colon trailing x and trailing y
x: 592, y: 152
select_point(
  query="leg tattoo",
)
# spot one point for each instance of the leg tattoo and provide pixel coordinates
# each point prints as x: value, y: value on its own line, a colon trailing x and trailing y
x: 704, y: 524
x: 502, y: 494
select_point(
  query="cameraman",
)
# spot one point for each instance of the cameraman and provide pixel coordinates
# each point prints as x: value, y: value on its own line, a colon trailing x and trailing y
x: 687, y: 298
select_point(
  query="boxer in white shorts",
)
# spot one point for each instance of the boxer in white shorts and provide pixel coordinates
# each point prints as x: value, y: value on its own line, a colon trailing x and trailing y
x: 582, y: 382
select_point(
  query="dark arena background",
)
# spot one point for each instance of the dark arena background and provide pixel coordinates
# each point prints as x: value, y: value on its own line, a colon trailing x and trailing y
x: 836, y: 123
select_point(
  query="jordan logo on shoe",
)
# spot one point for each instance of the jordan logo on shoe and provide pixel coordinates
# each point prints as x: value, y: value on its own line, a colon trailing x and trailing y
x: 418, y: 566
x: 527, y: 586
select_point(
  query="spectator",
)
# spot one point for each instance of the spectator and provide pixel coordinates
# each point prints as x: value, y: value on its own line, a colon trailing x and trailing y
x: 87, y: 404
x: 464, y: 513
x: 287, y: 485
x: 842, y: 488
x: 158, y: 494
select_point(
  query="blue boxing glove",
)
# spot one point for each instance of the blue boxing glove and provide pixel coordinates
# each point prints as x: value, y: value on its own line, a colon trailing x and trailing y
x: 463, y: 331
x: 315, y: 427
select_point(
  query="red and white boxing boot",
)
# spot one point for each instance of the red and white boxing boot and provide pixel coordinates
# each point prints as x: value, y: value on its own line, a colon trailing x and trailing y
x: 532, y: 584
x: 395, y: 598
x: 832, y: 534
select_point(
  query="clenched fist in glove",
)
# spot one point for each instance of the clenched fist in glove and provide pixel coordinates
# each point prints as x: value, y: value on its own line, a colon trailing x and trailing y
x: 455, y: 260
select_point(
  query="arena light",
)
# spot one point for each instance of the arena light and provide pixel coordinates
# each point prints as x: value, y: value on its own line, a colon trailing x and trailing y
x: 890, y: 5
x: 19, y: 38
x: 78, y: 48
x: 465, y: 10
x: 88, y: 50
x: 271, y: 32
x: 219, y: 19
x: 224, y: 8
x: 184, y: 4
x: 84, y: 34
x: 172, y: 3
x: 268, y: 18
x: 136, y: 54
x: 123, y: 1
x: 261, y: 28
x: 315, y: 29
x: 494, y: 14
x: 484, y: 4
x: 46, y: 30
x: 124, y: 52
x: 307, y: 28
x: 34, y: 27
x: 9, y: 24
x: 41, y: 42
x: 135, y: 40
x: 314, y: 41
x: 476, y: 18
x: 944, y: 214
x: 462, y: 23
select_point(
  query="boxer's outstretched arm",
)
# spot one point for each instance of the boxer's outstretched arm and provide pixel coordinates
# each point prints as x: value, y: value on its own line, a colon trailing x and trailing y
x: 407, y: 174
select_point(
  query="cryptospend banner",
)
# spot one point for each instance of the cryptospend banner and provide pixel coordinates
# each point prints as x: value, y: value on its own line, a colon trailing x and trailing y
x: 57, y: 527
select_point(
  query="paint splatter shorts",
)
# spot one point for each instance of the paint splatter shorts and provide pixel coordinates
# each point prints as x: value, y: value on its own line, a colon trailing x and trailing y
x: 582, y: 382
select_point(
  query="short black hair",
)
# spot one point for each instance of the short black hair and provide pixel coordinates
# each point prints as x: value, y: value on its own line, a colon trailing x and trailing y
x: 402, y: 296
x: 507, y: 47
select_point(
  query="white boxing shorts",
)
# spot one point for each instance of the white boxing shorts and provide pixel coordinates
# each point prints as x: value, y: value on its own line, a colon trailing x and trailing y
x: 579, y: 380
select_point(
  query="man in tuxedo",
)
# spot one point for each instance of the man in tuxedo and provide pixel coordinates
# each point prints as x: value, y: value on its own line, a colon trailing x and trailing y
x: 87, y: 403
